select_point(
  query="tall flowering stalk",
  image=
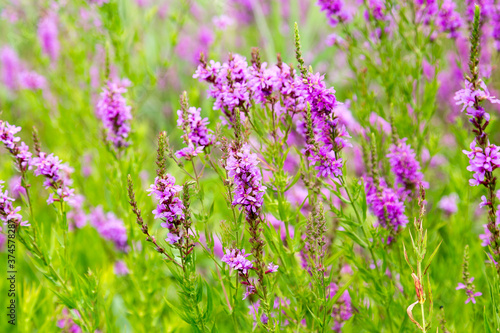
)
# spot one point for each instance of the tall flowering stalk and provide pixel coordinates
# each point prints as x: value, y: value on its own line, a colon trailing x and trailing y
x: 468, y: 284
x: 419, y: 244
x: 484, y: 156
x: 383, y: 201
x: 248, y: 193
x: 173, y: 209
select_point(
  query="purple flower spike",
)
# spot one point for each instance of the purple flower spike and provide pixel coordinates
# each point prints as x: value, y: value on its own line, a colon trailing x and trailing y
x: 48, y: 35
x: 110, y: 228
x: 170, y: 207
x: 448, y: 19
x: 196, y: 134
x: 335, y: 11
x: 249, y: 191
x: 114, y: 112
x: 385, y: 204
x: 405, y: 166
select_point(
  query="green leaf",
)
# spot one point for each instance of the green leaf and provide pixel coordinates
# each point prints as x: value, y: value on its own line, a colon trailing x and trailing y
x: 432, y: 257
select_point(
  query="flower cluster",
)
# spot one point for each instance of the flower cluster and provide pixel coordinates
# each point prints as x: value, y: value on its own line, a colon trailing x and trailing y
x: 325, y: 135
x: 249, y: 191
x: 386, y: 205
x: 470, y: 96
x: 229, y: 84
x: 426, y: 10
x: 335, y: 11
x: 237, y: 260
x: 170, y: 207
x: 448, y: 203
x: 448, y: 19
x: 67, y: 324
x: 20, y: 151
x: 376, y: 9
x: 57, y: 176
x: 10, y: 67
x: 76, y: 216
x: 342, y: 310
x: 196, y: 135
x: 405, y: 166
x: 234, y: 84
x: 114, y: 112
x: 48, y: 35
x: 280, y: 305
x: 9, y: 214
x: 469, y: 290
x: 15, y: 75
x: 110, y: 228
x: 482, y: 161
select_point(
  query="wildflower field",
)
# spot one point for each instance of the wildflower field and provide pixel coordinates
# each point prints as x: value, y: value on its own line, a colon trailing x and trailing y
x: 249, y: 166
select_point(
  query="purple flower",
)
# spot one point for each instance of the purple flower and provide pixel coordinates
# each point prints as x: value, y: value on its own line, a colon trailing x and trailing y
x: 222, y: 22
x: 11, y: 66
x: 172, y: 238
x: 448, y: 19
x: 405, y: 166
x: 32, y: 80
x: 7, y: 134
x: 248, y: 189
x: 449, y: 203
x: 170, y: 207
x: 114, y: 112
x: 482, y: 161
x: 426, y: 10
x: 271, y: 268
x: 237, y: 260
x: 110, y: 228
x: 329, y: 137
x: 335, y: 11
x: 376, y: 9
x: 229, y: 84
x: 9, y: 214
x: 120, y: 268
x: 19, y: 151
x: 16, y: 187
x: 468, y: 96
x: 469, y: 290
x: 342, y: 310
x: 196, y: 134
x: 250, y: 290
x: 67, y: 324
x: 76, y: 216
x: 385, y: 204
x: 57, y: 176
x: 48, y: 35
